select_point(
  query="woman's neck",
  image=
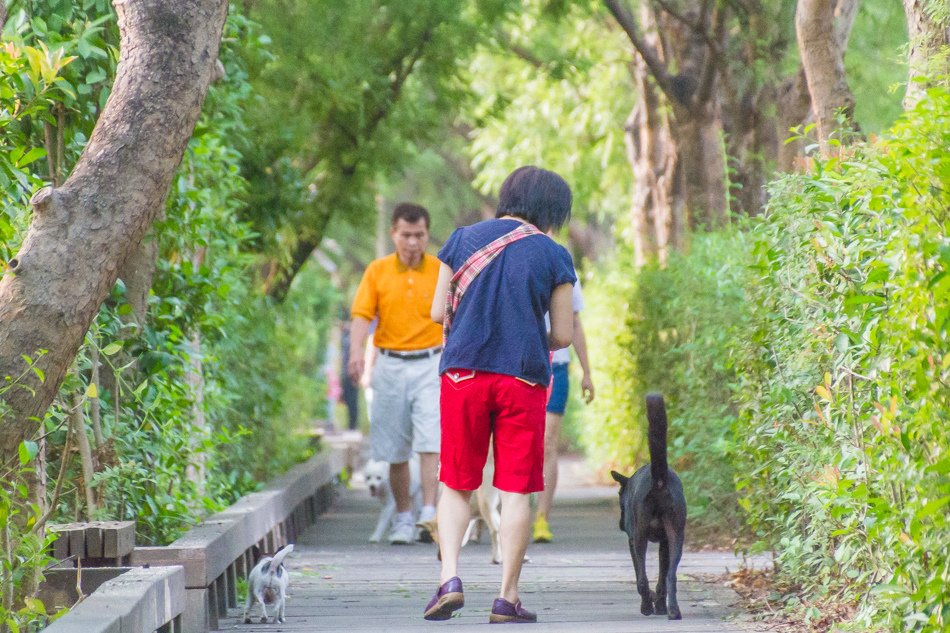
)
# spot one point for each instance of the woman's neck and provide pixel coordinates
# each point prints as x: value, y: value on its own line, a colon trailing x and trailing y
x: 511, y: 217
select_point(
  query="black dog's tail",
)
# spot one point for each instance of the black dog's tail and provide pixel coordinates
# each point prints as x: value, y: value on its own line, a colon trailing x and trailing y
x: 656, y: 415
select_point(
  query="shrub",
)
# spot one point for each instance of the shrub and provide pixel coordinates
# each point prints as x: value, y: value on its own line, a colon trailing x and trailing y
x: 806, y: 360
x: 845, y: 381
x: 671, y: 331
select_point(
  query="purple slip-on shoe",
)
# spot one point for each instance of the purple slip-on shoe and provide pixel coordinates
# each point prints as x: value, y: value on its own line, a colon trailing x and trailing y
x: 447, y: 599
x: 503, y: 612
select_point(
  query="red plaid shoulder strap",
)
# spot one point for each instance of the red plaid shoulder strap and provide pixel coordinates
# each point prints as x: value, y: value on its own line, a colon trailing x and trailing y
x: 475, y: 264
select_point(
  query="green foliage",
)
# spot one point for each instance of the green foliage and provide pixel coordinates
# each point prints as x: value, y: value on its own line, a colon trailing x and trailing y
x: 876, y: 64
x: 350, y: 87
x: 607, y: 430
x: 553, y: 89
x: 57, y: 64
x: 844, y: 383
x: 673, y: 328
x: 23, y: 550
x: 210, y: 346
x: 807, y: 360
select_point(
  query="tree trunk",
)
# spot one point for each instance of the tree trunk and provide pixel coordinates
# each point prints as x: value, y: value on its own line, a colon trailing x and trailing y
x: 137, y: 273
x: 651, y: 152
x: 197, y: 466
x: 674, y: 134
x: 701, y: 169
x: 793, y: 101
x: 83, y: 232
x: 823, y: 60
x: 194, y: 375
x: 926, y: 37
x: 589, y: 240
x: 78, y: 422
x: 794, y: 109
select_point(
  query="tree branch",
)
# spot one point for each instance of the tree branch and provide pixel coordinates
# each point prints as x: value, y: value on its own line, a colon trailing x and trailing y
x: 629, y: 25
x: 283, y: 277
x: 520, y: 51
x: 402, y: 71
x: 679, y: 17
x: 403, y: 66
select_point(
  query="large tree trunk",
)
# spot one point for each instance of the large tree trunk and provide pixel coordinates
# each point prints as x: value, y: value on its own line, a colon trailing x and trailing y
x: 701, y: 173
x: 651, y: 152
x: 793, y: 100
x: 83, y: 232
x: 822, y: 53
x: 675, y: 132
x: 926, y: 36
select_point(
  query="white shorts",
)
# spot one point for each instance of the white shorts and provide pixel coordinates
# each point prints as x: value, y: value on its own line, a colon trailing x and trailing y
x: 404, y: 415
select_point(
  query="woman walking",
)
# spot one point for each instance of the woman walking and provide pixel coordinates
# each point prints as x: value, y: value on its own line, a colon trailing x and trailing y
x: 497, y: 280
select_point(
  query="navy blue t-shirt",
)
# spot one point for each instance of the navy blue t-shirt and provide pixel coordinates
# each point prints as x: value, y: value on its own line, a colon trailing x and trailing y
x: 499, y: 325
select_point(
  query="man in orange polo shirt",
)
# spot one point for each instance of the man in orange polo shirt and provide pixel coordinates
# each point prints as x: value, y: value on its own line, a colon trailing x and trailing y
x: 404, y: 416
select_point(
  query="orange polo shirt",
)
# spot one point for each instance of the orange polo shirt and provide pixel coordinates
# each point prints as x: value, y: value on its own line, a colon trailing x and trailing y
x: 402, y: 298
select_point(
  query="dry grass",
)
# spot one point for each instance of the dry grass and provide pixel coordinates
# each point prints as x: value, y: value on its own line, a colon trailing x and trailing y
x: 767, y: 599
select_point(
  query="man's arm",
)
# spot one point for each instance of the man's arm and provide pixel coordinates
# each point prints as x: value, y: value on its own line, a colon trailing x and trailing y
x: 359, y: 331
x: 580, y: 346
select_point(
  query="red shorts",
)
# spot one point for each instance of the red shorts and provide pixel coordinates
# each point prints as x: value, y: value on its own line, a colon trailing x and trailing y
x: 480, y: 406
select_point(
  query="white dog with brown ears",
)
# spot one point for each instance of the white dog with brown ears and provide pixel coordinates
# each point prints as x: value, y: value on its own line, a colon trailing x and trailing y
x: 267, y: 584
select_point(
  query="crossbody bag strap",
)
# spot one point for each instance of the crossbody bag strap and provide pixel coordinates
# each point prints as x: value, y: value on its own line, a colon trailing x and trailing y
x: 476, y: 263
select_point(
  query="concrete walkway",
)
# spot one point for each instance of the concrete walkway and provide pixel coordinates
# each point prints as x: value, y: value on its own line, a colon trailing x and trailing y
x: 581, y: 582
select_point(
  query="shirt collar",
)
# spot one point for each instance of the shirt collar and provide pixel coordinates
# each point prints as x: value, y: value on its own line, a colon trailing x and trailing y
x: 400, y: 267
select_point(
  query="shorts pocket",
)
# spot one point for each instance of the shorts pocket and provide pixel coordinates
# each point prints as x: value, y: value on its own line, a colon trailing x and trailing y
x: 459, y: 378
x: 527, y: 382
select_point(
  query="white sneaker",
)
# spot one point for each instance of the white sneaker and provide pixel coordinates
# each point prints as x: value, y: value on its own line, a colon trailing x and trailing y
x: 403, y: 533
x: 426, y: 514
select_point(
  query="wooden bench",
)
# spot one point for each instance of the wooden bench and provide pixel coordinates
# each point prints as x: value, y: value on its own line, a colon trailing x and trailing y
x: 197, y: 575
x: 129, y: 601
x: 95, y: 544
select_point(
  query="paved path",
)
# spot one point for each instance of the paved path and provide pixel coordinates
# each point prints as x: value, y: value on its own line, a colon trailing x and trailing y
x: 581, y: 582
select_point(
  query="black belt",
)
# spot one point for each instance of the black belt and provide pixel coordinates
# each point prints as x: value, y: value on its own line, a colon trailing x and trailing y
x: 428, y: 353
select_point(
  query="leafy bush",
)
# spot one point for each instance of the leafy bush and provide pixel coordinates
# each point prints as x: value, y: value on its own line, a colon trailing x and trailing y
x: 672, y: 332
x: 23, y: 548
x: 609, y: 428
x: 209, y: 346
x: 845, y: 381
x: 807, y: 361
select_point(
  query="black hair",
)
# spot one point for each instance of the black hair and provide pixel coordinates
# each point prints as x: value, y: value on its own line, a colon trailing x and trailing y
x: 537, y: 195
x: 411, y: 213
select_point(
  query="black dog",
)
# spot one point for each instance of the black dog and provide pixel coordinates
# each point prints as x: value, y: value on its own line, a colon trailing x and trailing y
x: 653, y: 508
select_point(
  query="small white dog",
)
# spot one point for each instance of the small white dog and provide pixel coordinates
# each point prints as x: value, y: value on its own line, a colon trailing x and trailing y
x: 267, y: 584
x: 377, y: 482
